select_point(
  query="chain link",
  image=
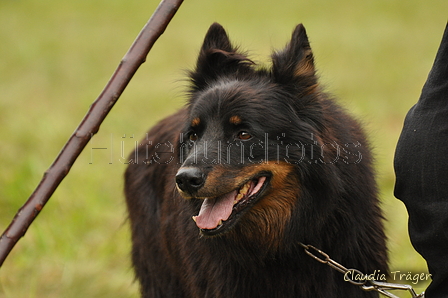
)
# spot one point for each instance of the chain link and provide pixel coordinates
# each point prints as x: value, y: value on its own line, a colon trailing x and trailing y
x: 364, y: 283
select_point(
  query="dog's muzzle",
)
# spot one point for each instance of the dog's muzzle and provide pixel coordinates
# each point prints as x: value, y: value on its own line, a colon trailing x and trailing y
x: 190, y: 179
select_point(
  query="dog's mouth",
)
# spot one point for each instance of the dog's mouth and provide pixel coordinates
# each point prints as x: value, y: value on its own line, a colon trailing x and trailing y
x: 220, y: 214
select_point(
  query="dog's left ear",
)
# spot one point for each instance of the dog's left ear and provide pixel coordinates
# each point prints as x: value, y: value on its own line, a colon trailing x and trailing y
x: 296, y: 60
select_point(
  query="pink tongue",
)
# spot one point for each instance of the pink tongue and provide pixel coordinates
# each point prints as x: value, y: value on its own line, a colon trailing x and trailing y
x: 214, y: 210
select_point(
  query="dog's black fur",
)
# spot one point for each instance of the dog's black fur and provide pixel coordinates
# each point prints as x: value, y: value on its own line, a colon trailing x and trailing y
x: 307, y: 166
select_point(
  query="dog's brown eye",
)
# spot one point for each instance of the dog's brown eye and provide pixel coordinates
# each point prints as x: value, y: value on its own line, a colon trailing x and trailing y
x: 193, y: 137
x: 244, y: 135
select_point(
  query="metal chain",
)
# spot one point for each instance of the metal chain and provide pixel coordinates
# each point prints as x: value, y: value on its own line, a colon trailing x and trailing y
x: 365, y: 284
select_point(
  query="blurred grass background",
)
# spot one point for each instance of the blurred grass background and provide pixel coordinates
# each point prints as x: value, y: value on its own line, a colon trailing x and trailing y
x: 56, y: 56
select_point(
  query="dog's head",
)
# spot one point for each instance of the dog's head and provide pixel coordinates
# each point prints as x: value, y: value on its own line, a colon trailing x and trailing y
x: 248, y: 129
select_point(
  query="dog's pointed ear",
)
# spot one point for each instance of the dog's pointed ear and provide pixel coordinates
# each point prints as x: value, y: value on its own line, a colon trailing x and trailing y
x: 218, y: 57
x: 296, y: 60
x: 217, y: 38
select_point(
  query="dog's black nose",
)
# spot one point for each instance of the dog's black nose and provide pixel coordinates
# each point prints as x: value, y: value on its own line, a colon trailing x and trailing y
x: 190, y: 179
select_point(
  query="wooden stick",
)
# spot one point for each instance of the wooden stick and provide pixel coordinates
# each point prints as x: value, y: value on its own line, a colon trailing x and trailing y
x: 90, y: 125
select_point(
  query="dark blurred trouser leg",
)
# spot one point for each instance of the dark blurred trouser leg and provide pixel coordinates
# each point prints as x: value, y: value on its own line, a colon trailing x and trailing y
x: 421, y: 167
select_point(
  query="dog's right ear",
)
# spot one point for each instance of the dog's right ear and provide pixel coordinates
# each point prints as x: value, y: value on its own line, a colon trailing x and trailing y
x: 217, y: 38
x: 217, y: 58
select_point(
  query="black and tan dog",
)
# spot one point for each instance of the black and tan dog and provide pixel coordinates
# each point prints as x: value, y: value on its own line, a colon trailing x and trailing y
x: 221, y: 193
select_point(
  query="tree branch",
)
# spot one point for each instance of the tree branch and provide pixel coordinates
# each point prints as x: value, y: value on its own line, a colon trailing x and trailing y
x: 90, y: 125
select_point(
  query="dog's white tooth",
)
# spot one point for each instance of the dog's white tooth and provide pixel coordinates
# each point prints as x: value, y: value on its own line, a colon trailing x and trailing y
x: 194, y: 218
x: 238, y: 197
x: 244, y: 189
x: 220, y: 223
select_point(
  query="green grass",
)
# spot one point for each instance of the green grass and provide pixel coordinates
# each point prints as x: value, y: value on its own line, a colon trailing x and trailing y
x: 56, y: 56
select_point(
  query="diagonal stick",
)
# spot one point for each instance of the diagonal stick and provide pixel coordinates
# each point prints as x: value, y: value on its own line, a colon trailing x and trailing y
x: 90, y: 125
